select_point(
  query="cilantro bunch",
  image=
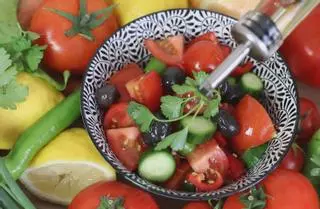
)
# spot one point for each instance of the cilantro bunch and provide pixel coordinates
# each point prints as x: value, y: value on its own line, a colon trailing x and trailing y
x: 18, y: 54
x: 172, y: 108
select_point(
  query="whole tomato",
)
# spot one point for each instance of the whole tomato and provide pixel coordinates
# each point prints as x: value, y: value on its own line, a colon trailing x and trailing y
x: 70, y: 46
x: 294, y: 160
x: 285, y: 189
x: 90, y: 198
x: 301, y: 50
x: 309, y: 120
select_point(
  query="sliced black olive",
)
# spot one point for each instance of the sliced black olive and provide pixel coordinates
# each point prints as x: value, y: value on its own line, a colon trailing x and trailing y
x: 227, y: 124
x: 107, y: 95
x: 157, y: 132
x: 172, y: 76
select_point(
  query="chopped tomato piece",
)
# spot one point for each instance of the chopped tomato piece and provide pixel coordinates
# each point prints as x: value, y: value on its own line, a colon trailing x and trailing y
x: 169, y: 50
x: 202, y: 56
x: 255, y: 129
x: 204, y: 183
x: 226, y: 50
x: 121, y: 78
x: 117, y: 116
x: 221, y: 140
x: 240, y: 70
x: 209, y: 36
x: 146, y: 89
x: 179, y: 176
x: 236, y: 167
x: 208, y: 156
x: 227, y: 107
x: 126, y: 145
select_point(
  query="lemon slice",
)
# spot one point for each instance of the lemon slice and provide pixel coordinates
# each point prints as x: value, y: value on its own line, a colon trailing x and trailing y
x: 66, y: 166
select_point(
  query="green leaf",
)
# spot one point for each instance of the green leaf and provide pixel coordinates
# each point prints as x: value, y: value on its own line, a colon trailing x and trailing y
x: 34, y: 56
x: 171, y: 106
x: 7, y: 76
x: 183, y: 89
x: 32, y: 36
x: 219, y: 204
x: 141, y: 115
x: 108, y: 203
x: 8, y: 32
x: 59, y: 86
x: 11, y: 94
x: 176, y: 141
x: 8, y: 12
x: 21, y: 44
x: 316, y: 159
x: 5, y: 60
x: 189, y: 81
x: 200, y: 77
x: 255, y: 199
x: 213, y: 107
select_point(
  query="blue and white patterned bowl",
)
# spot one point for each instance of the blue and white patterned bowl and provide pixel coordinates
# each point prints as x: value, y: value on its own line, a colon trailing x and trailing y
x: 126, y: 46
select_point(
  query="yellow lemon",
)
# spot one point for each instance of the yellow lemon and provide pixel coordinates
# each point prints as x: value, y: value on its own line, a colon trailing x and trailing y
x: 42, y: 97
x: 64, y: 167
x: 129, y: 10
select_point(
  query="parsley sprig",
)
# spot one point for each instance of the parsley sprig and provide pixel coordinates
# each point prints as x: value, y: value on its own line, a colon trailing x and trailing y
x: 18, y: 54
x: 172, y: 108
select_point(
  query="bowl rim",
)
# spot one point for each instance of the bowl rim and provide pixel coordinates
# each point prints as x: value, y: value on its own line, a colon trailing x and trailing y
x: 193, y: 196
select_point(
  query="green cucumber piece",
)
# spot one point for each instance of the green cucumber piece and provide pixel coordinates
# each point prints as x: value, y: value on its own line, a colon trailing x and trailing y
x: 251, y: 84
x: 155, y: 65
x: 187, y: 149
x: 157, y: 166
x: 199, y: 129
x: 253, y: 155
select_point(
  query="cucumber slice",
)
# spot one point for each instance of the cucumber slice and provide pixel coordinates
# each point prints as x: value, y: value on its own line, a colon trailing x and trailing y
x: 157, y: 166
x: 155, y: 65
x: 253, y: 155
x: 199, y: 129
x: 251, y: 84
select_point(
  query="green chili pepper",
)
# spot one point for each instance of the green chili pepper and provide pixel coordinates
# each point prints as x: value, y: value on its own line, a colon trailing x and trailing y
x: 6, y: 201
x: 312, y: 162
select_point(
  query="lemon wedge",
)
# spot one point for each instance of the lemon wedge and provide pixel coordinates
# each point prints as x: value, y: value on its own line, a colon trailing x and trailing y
x: 66, y: 166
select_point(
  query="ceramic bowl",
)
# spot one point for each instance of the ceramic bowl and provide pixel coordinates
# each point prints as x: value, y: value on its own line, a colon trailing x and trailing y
x: 126, y: 46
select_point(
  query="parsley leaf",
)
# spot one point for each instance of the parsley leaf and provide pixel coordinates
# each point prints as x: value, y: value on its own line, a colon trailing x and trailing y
x: 34, y: 56
x: 183, y: 89
x: 200, y: 77
x: 141, y: 115
x: 213, y: 107
x: 171, y: 106
x: 20, y: 44
x: 8, y: 32
x: 255, y: 199
x: 5, y: 60
x: 11, y: 94
x: 176, y: 141
x: 7, y: 76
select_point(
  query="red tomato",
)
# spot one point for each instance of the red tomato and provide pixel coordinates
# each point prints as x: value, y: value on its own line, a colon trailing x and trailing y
x: 89, y: 198
x: 179, y: 176
x: 209, y: 36
x: 309, y: 120
x: 147, y: 90
x: 206, y: 182
x: 126, y: 145
x: 285, y: 190
x: 121, y: 78
x: 169, y: 51
x: 236, y: 167
x: 118, y: 117
x: 301, y: 50
x: 255, y: 129
x: 208, y: 155
x: 294, y: 159
x: 197, y: 205
x: 203, y: 55
x: 69, y: 53
x: 220, y: 139
x: 242, y: 69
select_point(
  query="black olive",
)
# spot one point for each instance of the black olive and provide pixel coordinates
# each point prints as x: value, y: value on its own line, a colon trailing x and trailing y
x: 233, y: 94
x: 157, y: 132
x: 227, y: 124
x: 172, y: 76
x: 224, y: 87
x: 107, y: 95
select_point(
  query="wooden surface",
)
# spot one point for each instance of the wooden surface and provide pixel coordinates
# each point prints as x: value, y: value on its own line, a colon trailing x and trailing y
x: 164, y: 203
